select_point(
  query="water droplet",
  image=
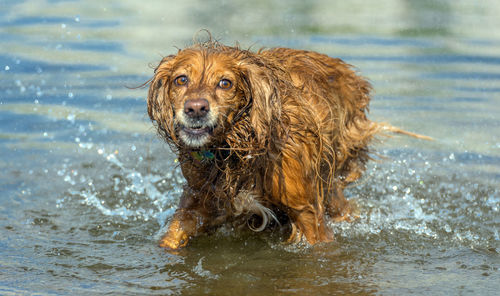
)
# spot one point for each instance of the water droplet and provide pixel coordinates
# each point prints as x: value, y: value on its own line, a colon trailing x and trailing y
x: 71, y: 118
x: 86, y: 145
x: 447, y: 228
x: 70, y: 95
x: 77, y: 18
x: 63, y: 26
x: 133, y: 148
x: 7, y: 68
x: 109, y: 97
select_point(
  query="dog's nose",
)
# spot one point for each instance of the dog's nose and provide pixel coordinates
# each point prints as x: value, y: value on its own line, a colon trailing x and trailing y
x: 196, y: 107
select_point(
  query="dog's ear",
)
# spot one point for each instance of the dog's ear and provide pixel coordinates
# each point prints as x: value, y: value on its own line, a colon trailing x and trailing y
x: 261, y: 90
x: 159, y: 106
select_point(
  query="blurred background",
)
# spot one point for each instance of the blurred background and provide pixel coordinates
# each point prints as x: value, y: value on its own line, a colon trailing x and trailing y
x: 86, y: 187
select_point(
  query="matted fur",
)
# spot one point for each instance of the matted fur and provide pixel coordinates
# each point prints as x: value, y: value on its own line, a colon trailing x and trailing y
x: 288, y: 138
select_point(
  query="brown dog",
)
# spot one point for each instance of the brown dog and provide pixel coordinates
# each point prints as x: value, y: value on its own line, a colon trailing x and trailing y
x: 269, y: 136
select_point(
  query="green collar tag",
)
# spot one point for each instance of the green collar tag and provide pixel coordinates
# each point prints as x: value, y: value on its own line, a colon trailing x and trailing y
x: 202, y: 155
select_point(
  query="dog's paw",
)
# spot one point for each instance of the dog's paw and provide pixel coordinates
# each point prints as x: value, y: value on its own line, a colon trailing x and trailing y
x: 175, y: 238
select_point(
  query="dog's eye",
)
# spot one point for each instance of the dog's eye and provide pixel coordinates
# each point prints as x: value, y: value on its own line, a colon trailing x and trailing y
x: 181, y: 80
x: 225, y: 84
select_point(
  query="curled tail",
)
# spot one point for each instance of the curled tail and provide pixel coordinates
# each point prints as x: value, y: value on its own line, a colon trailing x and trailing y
x: 389, y: 128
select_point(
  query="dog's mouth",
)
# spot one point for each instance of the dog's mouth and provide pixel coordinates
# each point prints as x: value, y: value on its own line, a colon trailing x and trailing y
x: 196, y: 131
x: 196, y: 135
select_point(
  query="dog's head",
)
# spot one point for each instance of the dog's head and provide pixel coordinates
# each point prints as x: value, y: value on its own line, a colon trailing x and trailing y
x: 198, y: 95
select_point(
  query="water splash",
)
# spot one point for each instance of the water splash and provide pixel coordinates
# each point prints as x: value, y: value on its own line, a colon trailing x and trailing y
x: 404, y: 200
x: 122, y: 191
x: 408, y: 199
x: 204, y: 273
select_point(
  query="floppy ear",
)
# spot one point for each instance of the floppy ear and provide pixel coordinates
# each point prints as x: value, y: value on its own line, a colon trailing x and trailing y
x: 260, y: 86
x: 159, y: 106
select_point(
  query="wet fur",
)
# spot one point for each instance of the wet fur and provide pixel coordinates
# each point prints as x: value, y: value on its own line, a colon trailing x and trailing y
x: 286, y: 142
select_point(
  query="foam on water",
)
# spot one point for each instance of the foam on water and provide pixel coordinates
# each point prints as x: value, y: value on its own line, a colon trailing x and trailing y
x: 124, y: 192
x: 411, y: 198
x: 404, y: 199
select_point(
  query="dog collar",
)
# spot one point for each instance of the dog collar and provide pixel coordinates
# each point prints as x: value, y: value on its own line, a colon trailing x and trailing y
x: 203, y: 155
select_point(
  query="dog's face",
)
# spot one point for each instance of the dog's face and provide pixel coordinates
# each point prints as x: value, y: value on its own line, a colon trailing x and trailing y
x: 204, y: 92
x: 200, y: 96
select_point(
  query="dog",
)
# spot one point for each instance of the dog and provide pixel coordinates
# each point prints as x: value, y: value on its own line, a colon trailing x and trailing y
x: 271, y: 137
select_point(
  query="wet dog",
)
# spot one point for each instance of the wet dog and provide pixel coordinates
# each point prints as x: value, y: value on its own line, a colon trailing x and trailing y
x: 272, y: 136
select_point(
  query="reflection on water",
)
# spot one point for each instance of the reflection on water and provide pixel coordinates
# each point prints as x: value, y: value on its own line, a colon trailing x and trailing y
x: 87, y: 188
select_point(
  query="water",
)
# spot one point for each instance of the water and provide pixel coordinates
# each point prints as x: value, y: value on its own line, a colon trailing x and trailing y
x: 86, y: 186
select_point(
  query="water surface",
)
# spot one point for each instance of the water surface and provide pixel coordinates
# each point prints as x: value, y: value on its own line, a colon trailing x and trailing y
x: 87, y: 188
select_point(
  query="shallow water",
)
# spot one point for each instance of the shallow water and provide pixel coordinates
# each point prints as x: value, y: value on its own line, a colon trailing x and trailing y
x: 86, y: 186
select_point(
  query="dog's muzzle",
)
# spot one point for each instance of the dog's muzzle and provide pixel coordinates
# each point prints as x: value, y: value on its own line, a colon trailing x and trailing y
x: 197, y: 124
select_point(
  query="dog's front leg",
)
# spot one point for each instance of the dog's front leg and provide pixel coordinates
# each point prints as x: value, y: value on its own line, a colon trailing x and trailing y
x: 188, y: 220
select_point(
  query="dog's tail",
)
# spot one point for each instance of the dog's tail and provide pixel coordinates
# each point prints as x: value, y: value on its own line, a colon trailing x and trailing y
x: 385, y: 127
